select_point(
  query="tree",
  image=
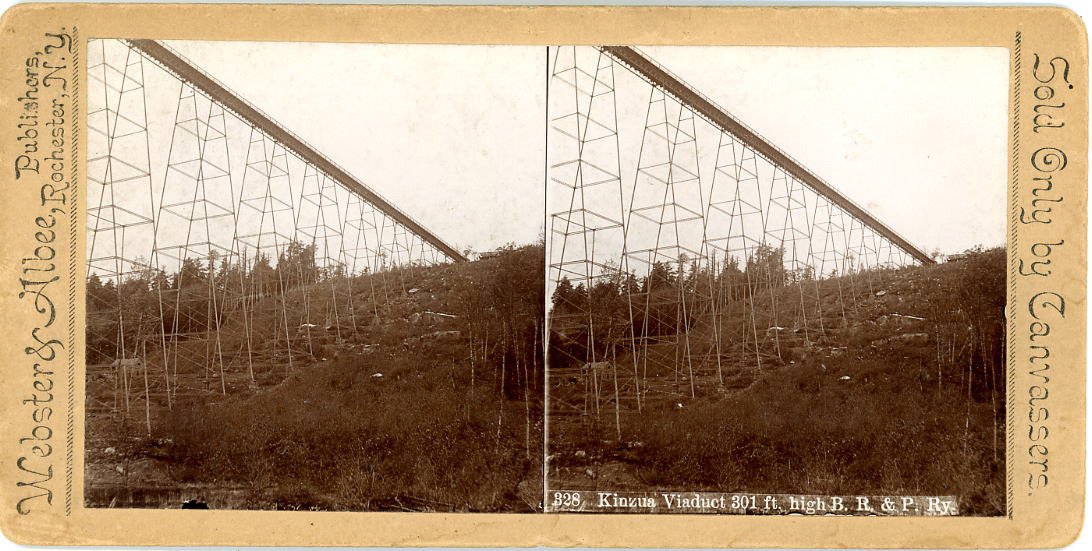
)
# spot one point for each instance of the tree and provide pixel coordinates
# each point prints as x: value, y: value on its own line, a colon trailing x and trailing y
x: 297, y: 264
x: 767, y: 264
x: 564, y: 296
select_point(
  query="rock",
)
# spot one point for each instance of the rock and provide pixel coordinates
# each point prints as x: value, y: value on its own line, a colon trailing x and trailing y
x: 844, y: 378
x: 595, y: 366
x: 194, y: 504
x: 881, y: 292
x: 120, y: 469
x: 110, y: 451
x: 529, y: 490
x: 439, y: 315
x: 440, y: 334
x: 377, y: 375
x: 127, y: 363
x: 581, y: 453
x: 915, y: 318
x: 917, y: 339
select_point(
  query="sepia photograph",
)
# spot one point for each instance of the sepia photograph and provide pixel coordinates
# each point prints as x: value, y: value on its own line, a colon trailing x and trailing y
x: 556, y: 276
x: 776, y: 280
x: 314, y: 276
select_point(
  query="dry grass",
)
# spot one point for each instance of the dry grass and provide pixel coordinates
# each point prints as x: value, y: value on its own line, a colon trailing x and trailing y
x: 452, y: 424
x: 871, y: 402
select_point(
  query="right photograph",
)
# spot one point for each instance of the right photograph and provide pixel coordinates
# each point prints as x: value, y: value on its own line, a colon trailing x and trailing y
x: 776, y: 280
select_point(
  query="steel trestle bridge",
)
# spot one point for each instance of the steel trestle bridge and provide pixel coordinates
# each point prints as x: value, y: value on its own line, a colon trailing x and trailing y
x: 221, y: 247
x: 686, y: 252
x: 684, y: 249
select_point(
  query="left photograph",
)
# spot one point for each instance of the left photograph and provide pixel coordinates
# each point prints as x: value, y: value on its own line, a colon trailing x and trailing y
x: 314, y: 276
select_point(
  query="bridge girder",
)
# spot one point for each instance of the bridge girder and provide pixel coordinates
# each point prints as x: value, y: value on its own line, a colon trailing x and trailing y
x: 185, y: 71
x: 670, y: 84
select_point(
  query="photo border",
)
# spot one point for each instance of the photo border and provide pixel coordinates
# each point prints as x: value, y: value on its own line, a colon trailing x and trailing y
x: 1046, y: 260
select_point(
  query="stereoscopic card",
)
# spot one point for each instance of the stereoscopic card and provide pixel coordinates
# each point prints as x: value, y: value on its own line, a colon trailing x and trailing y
x: 543, y: 276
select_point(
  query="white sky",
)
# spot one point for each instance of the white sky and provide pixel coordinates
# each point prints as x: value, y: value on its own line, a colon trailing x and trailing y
x: 915, y: 135
x: 454, y: 135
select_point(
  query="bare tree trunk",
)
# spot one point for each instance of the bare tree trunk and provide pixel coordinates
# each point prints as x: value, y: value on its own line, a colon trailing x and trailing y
x: 503, y: 372
x: 526, y: 409
x: 617, y: 395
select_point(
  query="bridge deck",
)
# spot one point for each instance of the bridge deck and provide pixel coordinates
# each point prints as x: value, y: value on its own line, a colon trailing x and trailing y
x: 188, y: 73
x: 726, y: 122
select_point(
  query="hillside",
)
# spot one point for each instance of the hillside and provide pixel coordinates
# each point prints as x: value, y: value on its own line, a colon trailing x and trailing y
x: 891, y: 385
x: 426, y: 398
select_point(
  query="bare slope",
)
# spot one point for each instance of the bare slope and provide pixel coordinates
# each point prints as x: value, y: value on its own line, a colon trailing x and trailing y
x: 900, y: 392
x: 429, y: 403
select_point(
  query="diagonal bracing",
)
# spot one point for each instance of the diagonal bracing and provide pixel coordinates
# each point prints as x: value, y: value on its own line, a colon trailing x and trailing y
x: 222, y: 249
x: 723, y: 252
